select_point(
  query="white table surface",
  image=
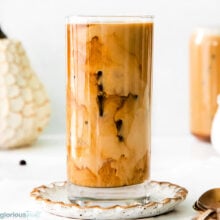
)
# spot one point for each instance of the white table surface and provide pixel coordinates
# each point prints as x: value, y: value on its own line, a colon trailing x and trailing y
x: 181, y: 160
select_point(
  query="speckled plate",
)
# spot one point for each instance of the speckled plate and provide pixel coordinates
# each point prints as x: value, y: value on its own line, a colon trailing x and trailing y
x: 164, y: 197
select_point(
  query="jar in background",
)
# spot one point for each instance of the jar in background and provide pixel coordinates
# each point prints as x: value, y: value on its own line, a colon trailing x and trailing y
x: 204, y: 80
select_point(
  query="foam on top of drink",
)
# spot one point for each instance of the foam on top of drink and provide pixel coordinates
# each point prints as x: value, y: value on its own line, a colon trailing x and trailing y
x: 93, y: 19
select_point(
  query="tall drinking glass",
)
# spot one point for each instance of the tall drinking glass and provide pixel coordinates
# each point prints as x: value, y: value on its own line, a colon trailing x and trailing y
x: 109, y: 75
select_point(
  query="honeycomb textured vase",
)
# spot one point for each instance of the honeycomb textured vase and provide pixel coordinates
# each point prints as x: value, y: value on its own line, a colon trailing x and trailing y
x: 24, y: 104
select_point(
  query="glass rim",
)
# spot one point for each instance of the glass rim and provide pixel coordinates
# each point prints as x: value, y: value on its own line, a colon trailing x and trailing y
x: 212, y: 30
x: 108, y: 18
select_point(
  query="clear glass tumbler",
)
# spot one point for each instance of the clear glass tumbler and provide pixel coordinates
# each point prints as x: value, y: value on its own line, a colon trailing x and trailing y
x: 109, y: 84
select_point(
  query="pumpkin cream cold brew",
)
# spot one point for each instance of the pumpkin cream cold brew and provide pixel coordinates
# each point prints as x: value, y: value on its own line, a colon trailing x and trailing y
x: 109, y: 103
x: 204, y: 80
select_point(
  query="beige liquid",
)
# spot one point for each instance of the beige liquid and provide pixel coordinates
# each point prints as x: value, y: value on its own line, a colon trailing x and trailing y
x: 205, y: 80
x: 108, y: 103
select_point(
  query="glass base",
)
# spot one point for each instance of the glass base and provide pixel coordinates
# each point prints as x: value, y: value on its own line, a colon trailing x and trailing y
x: 123, y: 196
x: 202, y: 137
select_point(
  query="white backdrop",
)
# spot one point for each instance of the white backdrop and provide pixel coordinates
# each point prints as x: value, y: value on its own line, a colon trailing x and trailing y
x: 39, y: 24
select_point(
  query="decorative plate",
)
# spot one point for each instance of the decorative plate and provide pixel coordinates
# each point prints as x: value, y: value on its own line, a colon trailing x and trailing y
x: 164, y: 197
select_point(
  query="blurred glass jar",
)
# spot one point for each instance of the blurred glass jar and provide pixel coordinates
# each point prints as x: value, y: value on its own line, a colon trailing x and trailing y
x: 204, y: 80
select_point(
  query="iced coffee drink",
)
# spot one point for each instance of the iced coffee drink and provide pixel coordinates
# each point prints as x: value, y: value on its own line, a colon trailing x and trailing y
x: 204, y: 80
x: 109, y: 72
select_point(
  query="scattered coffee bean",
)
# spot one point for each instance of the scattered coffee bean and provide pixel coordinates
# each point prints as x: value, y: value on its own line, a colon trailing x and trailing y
x: 22, y: 162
